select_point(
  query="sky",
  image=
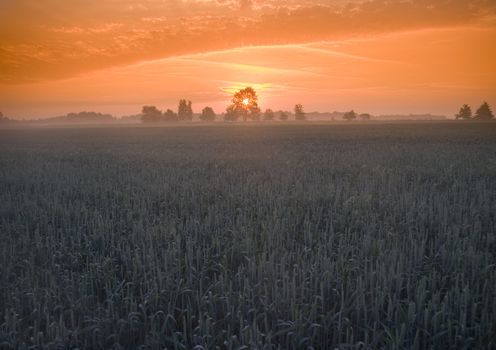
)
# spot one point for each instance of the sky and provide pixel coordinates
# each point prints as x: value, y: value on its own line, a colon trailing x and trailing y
x: 377, y: 56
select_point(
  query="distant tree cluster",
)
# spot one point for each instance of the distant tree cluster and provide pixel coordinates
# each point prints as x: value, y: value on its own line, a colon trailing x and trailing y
x: 4, y: 119
x: 484, y: 112
x: 244, y: 106
x: 151, y: 114
x: 184, y: 111
x: 89, y: 116
x: 352, y: 115
x: 208, y: 114
x: 299, y: 112
x: 268, y: 115
x: 80, y: 117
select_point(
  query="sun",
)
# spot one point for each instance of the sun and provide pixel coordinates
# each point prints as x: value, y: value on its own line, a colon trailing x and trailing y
x: 246, y: 101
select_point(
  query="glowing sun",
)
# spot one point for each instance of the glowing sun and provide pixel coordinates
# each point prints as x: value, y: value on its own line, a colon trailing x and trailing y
x: 246, y: 101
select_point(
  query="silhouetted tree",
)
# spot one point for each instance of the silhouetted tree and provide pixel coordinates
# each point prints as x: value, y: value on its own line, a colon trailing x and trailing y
x: 245, y: 104
x: 364, y: 116
x: 351, y: 115
x: 268, y: 114
x: 484, y: 112
x: 170, y: 116
x: 299, y: 113
x: 464, y: 113
x: 208, y: 114
x: 184, y: 111
x: 150, y: 114
x: 283, y: 116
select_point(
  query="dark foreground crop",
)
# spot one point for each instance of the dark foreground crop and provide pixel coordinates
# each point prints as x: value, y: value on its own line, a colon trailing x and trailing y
x: 277, y: 237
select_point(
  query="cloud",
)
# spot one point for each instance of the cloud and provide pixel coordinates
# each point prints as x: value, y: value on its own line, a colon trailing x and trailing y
x: 59, y: 39
x: 103, y: 28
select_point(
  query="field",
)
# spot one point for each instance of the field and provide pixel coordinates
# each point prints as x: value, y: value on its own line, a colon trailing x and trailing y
x: 249, y: 237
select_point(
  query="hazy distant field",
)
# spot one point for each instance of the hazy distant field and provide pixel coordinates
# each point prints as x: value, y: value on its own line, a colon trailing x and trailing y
x: 275, y: 237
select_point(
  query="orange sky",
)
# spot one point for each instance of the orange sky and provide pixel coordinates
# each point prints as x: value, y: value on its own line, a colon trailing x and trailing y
x: 396, y: 56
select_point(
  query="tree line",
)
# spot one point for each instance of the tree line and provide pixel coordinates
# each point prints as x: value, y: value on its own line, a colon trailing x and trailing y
x: 484, y: 112
x: 151, y: 114
x: 244, y: 106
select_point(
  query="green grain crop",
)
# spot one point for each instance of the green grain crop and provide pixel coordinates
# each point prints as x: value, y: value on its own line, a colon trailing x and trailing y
x: 249, y: 237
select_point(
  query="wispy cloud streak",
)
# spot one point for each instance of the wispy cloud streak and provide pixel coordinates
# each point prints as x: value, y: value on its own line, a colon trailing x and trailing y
x: 57, y: 39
